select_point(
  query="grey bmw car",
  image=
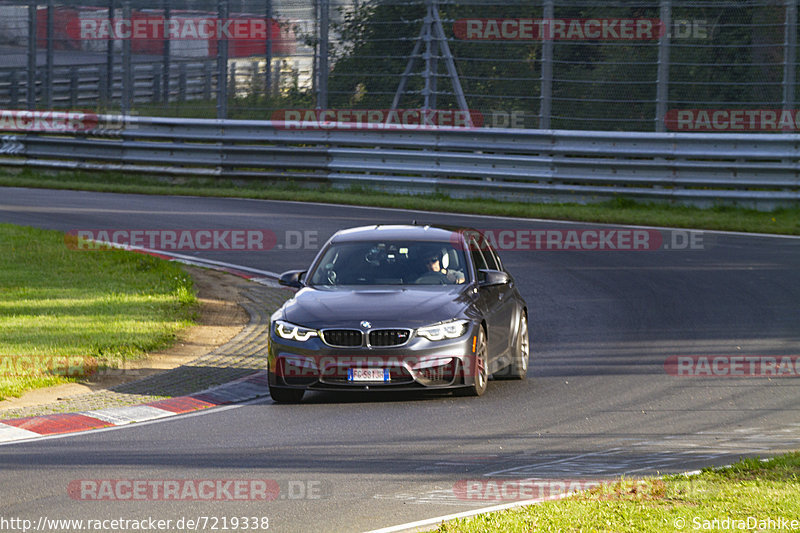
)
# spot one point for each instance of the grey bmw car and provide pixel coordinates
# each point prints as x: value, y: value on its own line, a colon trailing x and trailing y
x: 399, y: 308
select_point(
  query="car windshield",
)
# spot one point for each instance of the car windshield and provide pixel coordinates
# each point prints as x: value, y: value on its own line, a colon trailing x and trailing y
x: 390, y: 263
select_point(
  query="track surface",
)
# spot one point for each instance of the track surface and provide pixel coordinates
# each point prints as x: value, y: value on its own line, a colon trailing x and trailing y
x: 597, y: 401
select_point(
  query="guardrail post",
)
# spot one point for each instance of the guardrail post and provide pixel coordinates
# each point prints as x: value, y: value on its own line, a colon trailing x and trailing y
x: 546, y: 99
x: 222, y: 63
x: 662, y: 81
x: 789, y: 54
x: 31, y: 88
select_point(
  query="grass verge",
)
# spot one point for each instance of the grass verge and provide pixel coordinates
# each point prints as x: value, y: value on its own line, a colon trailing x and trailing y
x: 749, y: 495
x: 781, y: 221
x: 66, y: 314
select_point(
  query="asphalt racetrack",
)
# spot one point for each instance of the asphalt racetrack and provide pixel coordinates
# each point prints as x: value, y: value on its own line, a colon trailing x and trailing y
x: 604, y: 396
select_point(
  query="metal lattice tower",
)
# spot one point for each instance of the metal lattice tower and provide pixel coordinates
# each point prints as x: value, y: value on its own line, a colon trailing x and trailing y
x: 432, y: 35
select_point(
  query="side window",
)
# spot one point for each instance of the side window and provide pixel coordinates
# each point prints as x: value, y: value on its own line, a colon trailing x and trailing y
x: 477, y: 256
x: 491, y: 258
x: 497, y: 259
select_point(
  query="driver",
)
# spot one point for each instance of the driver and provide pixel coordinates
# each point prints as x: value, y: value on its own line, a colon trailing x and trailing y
x: 433, y: 264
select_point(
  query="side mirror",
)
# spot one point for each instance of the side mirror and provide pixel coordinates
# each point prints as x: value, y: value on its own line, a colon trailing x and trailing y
x: 291, y: 278
x: 487, y: 278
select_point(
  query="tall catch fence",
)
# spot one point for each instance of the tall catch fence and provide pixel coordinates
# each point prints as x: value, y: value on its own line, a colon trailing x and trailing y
x: 638, y: 65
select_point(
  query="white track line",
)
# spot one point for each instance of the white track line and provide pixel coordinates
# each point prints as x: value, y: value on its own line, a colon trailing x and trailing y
x: 466, y: 514
x: 418, y: 525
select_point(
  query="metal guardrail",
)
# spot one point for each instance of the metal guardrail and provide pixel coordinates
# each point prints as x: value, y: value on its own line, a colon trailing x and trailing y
x: 760, y: 170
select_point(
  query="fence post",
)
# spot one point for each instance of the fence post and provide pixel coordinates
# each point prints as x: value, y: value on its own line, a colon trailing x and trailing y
x: 165, y: 58
x: 426, y: 56
x: 662, y: 80
x: 546, y: 100
x: 322, y: 70
x: 48, y: 83
x: 109, y: 80
x: 268, y: 56
x: 31, y: 88
x: 789, y: 54
x: 222, y: 63
x: 127, y: 67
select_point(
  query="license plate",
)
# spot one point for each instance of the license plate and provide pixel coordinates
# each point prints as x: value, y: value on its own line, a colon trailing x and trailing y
x: 367, y: 374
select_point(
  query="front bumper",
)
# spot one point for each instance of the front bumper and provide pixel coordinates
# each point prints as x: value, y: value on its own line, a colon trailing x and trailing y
x: 419, y: 364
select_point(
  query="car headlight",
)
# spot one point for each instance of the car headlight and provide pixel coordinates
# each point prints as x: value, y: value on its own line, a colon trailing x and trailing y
x: 445, y: 330
x: 287, y: 330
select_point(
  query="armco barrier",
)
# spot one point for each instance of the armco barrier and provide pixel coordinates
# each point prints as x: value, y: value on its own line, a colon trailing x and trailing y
x: 760, y: 170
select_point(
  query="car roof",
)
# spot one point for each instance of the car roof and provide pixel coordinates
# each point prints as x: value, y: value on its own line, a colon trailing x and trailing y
x: 398, y: 232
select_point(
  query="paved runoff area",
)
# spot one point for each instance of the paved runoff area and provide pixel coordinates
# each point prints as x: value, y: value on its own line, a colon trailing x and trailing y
x: 234, y: 372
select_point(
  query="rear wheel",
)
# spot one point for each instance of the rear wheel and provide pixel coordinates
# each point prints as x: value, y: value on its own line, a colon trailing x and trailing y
x: 281, y: 395
x: 518, y: 369
x: 481, y: 372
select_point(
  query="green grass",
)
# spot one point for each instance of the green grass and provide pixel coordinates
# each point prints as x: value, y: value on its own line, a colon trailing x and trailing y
x: 65, y: 313
x: 749, y: 488
x: 621, y: 211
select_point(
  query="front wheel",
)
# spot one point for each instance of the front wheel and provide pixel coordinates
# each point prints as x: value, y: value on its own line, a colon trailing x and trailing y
x: 281, y: 395
x: 481, y: 372
x: 518, y: 369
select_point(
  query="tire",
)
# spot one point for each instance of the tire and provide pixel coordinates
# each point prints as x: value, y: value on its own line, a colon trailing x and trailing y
x: 281, y: 395
x: 518, y: 369
x: 481, y: 375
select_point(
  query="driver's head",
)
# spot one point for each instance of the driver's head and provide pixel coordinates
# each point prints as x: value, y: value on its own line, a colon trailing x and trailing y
x: 432, y: 263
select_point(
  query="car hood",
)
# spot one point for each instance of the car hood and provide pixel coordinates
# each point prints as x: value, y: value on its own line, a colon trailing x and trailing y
x: 343, y: 307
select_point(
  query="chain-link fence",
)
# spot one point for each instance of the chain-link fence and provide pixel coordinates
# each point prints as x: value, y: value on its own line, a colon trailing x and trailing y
x: 633, y: 65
